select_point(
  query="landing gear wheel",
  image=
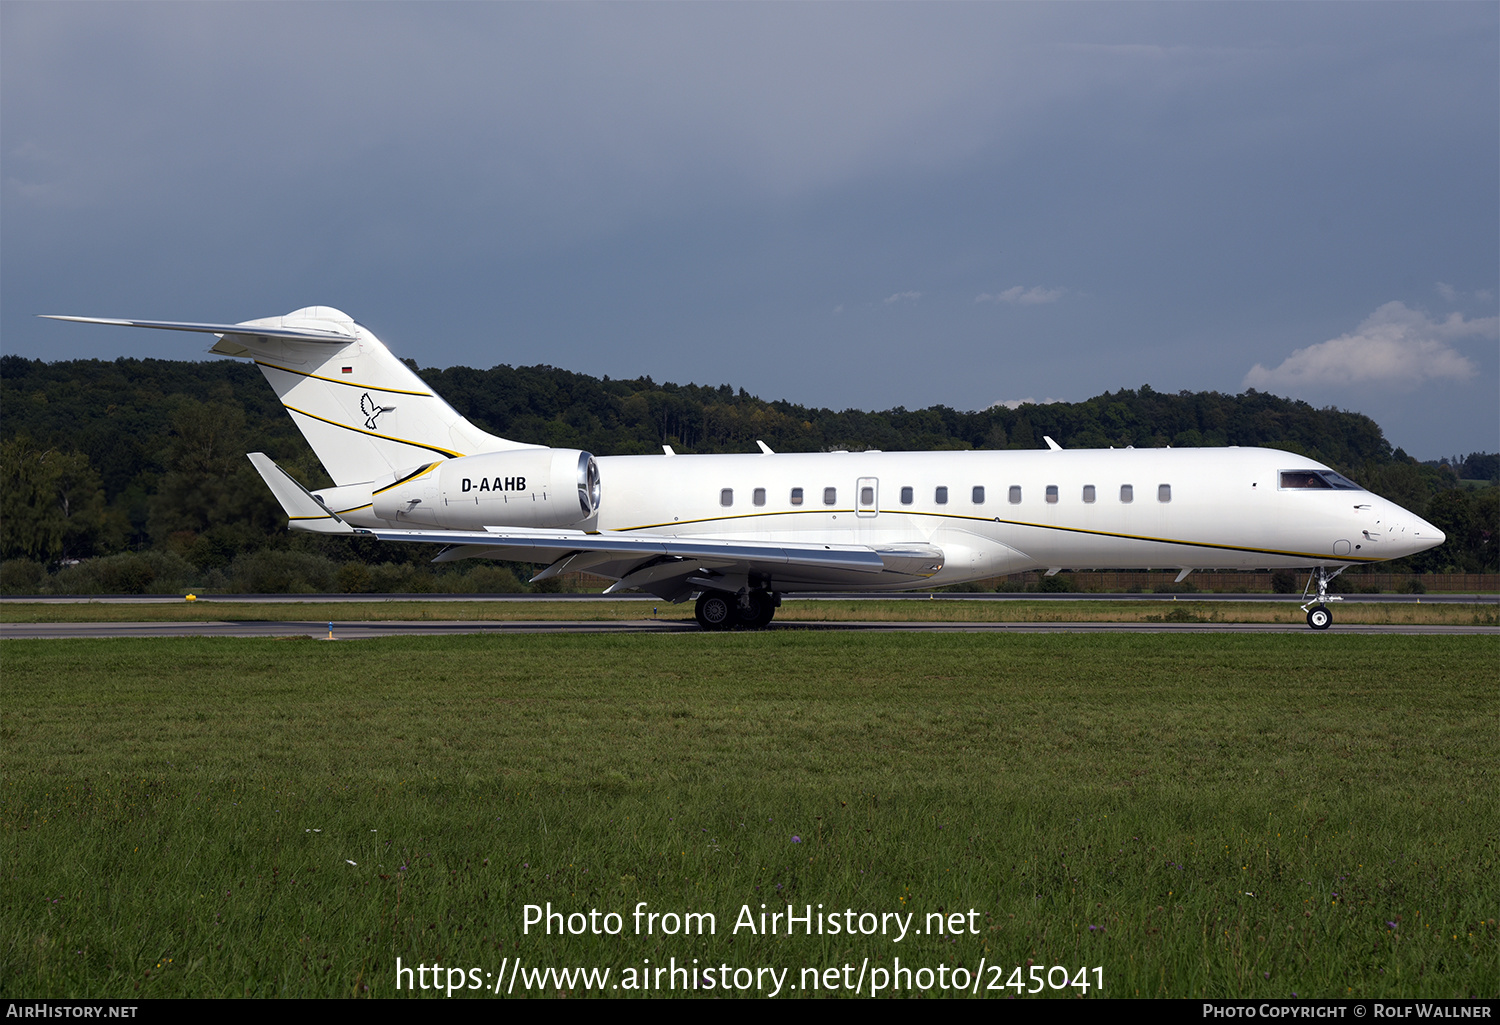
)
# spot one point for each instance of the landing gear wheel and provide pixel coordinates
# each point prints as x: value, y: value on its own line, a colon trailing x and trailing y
x: 756, y: 611
x: 716, y: 610
x: 1319, y: 618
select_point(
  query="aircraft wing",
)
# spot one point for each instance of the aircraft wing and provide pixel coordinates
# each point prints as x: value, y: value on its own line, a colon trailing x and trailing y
x: 666, y: 565
x: 673, y: 567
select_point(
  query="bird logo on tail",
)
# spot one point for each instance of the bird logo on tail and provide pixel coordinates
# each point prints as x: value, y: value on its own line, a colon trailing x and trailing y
x: 371, y: 409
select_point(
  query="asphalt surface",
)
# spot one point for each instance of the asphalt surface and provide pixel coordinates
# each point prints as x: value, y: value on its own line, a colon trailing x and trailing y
x: 357, y: 631
x: 277, y: 599
x: 393, y: 628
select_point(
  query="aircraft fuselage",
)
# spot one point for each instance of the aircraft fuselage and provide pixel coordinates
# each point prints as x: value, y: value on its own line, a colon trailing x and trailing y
x: 739, y: 530
x: 990, y: 512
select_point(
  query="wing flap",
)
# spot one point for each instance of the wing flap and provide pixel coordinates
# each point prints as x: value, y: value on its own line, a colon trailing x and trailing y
x: 557, y: 544
x: 672, y: 567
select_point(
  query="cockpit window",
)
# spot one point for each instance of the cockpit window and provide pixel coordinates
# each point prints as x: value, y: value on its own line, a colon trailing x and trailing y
x: 1339, y: 481
x: 1316, y: 480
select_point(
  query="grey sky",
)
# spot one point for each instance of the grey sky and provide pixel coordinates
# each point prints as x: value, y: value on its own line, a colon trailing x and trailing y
x: 837, y: 204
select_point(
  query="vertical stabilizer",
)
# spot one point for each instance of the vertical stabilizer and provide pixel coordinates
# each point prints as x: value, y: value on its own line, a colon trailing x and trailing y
x: 363, y: 411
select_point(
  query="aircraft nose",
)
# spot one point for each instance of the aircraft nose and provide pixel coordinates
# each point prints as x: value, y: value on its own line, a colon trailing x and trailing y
x: 1404, y: 533
x: 1421, y: 535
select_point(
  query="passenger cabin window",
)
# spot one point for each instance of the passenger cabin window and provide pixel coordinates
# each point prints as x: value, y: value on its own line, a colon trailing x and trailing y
x: 796, y: 496
x: 941, y: 496
x: 1088, y: 493
x: 1052, y: 494
x: 759, y: 497
x: 1163, y: 492
x: 907, y: 496
x: 1015, y: 494
x: 979, y: 495
x: 866, y: 496
x: 830, y: 496
x: 726, y: 497
x: 1127, y: 493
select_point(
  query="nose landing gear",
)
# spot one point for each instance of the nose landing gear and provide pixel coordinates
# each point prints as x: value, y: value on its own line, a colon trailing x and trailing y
x: 1318, y: 615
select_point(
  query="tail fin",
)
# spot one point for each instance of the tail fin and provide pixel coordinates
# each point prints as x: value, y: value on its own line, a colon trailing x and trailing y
x: 364, y: 412
x: 361, y: 409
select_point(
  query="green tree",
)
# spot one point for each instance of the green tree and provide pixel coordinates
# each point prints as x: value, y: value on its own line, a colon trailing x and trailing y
x: 209, y: 483
x: 51, y: 505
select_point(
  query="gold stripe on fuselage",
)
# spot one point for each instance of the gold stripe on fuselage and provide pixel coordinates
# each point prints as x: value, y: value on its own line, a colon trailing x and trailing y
x: 1017, y: 523
x: 419, y: 471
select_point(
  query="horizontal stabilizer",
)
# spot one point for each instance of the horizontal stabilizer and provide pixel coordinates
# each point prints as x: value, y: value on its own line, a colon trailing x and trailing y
x: 303, y: 511
x: 300, y: 334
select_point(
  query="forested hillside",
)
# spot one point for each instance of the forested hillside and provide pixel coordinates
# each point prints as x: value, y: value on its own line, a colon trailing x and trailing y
x: 131, y: 475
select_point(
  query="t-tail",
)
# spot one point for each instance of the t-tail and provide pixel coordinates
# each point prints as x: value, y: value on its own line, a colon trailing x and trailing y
x: 364, y: 412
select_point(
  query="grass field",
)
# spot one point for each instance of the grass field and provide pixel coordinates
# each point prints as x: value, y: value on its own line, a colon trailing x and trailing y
x: 1178, y: 815
x: 1414, y: 612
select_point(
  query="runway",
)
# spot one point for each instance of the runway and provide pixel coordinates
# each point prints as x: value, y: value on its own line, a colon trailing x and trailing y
x: 319, y: 599
x: 354, y: 631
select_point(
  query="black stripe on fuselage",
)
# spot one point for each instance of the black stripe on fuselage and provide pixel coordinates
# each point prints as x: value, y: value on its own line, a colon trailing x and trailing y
x: 347, y: 384
x: 397, y: 483
x: 371, y: 434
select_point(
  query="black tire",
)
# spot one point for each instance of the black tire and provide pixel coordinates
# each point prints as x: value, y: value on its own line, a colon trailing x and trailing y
x: 1319, y: 618
x: 716, y: 610
x: 757, y: 613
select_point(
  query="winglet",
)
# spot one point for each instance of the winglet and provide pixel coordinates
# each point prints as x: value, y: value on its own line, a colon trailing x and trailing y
x: 1054, y: 446
x: 303, y: 511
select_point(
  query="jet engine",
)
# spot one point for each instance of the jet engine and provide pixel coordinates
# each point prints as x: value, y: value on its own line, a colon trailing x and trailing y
x: 534, y: 487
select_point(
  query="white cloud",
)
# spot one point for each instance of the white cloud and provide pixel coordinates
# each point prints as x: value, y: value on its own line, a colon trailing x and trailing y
x: 903, y: 297
x: 1020, y: 295
x: 1395, y: 345
x: 1453, y: 295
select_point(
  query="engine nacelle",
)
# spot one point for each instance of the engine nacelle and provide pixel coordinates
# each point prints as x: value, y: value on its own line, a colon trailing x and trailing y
x: 534, y: 487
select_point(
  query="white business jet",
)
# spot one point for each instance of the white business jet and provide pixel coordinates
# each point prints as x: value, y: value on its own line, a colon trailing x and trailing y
x: 740, y: 531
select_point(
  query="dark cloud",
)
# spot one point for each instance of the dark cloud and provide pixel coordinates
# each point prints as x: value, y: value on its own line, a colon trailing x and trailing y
x: 689, y: 190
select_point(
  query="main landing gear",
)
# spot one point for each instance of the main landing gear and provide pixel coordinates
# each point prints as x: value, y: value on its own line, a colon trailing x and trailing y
x: 721, y: 610
x: 1318, y: 615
